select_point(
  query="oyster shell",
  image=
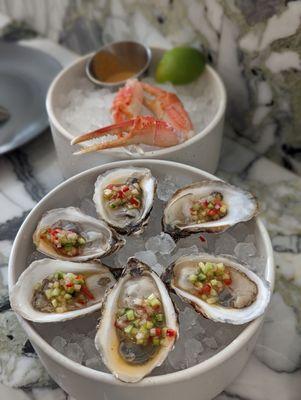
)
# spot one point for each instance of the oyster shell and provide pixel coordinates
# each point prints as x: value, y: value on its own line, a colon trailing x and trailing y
x: 242, y: 298
x: 24, y: 301
x: 124, y: 354
x: 98, y: 239
x: 125, y: 217
x: 183, y: 213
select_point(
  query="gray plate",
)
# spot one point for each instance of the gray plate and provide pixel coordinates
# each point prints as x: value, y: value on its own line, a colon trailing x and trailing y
x: 25, y: 75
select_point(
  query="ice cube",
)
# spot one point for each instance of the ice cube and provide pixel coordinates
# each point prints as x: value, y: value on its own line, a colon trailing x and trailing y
x: 132, y: 246
x: 257, y: 264
x: 87, y: 206
x: 250, y: 239
x: 244, y: 251
x: 153, y: 244
x: 225, y: 244
x: 210, y: 342
x: 185, y: 251
x: 75, y: 352
x: 158, y: 268
x: 239, y: 231
x: 147, y: 257
x: 176, y: 357
x: 193, y: 350
x: 88, y: 347
x: 188, y: 318
x: 94, y: 363
x: 166, y: 188
x: 162, y: 243
x: 59, y: 343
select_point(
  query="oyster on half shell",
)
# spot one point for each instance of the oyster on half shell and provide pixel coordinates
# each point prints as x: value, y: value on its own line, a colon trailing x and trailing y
x: 138, y: 325
x: 219, y: 287
x: 124, y: 198
x: 69, y: 234
x: 37, y: 297
x: 207, y: 206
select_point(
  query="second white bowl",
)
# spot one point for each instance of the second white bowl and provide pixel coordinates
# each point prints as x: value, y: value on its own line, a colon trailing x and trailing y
x: 203, y: 381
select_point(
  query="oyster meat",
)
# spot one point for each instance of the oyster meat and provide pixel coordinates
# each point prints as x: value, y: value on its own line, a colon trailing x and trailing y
x: 69, y: 234
x: 207, y: 206
x: 124, y: 198
x: 138, y: 325
x: 52, y: 290
x: 220, y: 288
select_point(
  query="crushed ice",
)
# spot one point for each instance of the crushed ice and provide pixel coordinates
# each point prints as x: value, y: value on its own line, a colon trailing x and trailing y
x: 200, y: 338
x: 86, y: 108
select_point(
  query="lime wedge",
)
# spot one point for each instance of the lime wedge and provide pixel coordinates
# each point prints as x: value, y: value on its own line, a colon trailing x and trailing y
x: 180, y: 65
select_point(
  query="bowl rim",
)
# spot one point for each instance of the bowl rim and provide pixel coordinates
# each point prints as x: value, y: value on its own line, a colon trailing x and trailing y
x: 219, y: 114
x: 229, y: 351
x: 115, y: 85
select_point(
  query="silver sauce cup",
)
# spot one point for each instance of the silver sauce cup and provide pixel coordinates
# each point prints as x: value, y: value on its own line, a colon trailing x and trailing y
x: 116, y: 62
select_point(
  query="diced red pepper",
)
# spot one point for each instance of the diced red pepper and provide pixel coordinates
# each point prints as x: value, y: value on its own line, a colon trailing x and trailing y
x: 110, y: 186
x: 202, y: 238
x: 211, y: 212
x: 228, y: 281
x: 134, y: 201
x: 170, y: 332
x: 120, y: 194
x: 69, y: 284
x: 125, y: 189
x: 205, y: 289
x: 158, y: 331
x: 87, y: 292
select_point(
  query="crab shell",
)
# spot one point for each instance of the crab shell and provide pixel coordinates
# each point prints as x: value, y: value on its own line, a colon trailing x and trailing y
x: 106, y: 339
x: 250, y: 288
x: 126, y: 224
x: 103, y: 239
x: 21, y: 294
x: 242, y: 206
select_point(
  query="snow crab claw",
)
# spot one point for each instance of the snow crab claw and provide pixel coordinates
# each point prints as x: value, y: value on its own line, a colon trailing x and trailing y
x: 168, y: 126
x: 167, y: 106
x: 141, y: 130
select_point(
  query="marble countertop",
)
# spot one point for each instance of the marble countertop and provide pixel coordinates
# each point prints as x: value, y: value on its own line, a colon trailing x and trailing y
x: 273, y: 371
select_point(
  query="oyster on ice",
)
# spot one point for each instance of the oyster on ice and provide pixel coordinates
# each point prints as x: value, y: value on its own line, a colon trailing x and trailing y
x: 219, y: 287
x: 69, y: 234
x: 138, y: 325
x: 124, y: 198
x: 207, y: 206
x: 53, y: 290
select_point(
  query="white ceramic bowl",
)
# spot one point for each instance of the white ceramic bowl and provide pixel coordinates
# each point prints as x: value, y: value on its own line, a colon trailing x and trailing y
x: 201, y: 151
x: 203, y: 381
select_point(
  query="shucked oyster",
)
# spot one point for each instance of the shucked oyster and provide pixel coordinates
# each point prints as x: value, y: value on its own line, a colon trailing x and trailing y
x: 52, y: 290
x: 68, y: 234
x: 207, y: 206
x: 219, y: 288
x: 124, y: 198
x: 138, y: 326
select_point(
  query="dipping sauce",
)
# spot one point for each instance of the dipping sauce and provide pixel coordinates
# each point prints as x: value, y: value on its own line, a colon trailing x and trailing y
x: 108, y: 67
